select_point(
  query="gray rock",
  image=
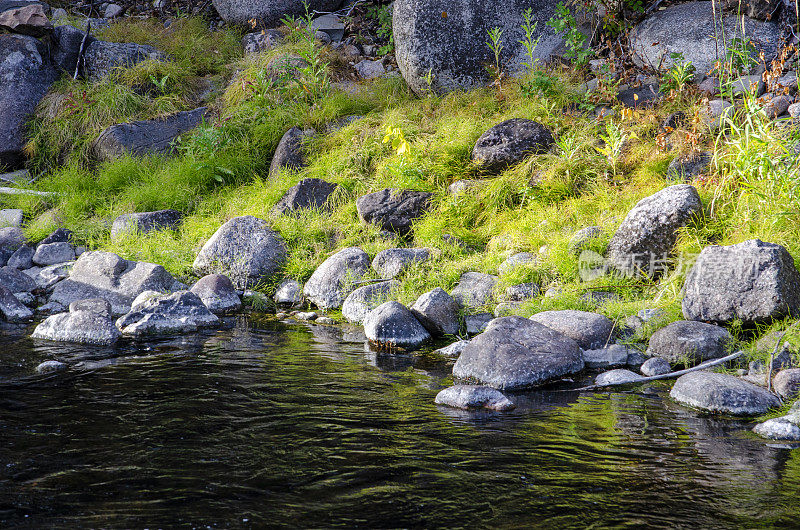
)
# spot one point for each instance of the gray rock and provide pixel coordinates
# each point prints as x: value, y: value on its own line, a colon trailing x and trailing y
x: 391, y: 262
x: 655, y: 366
x: 360, y: 302
x: 331, y: 24
x: 794, y: 111
x: 616, y: 377
x: 147, y: 137
x: 60, y: 235
x: 368, y: 69
x: 66, y: 47
x: 787, y: 383
x: 47, y: 277
x: 392, y: 209
x: 308, y: 193
x: 217, y: 293
x: 709, y: 86
x: 583, y: 238
x: 25, y: 18
x: 717, y: 112
x: 779, y: 429
x: 522, y: 292
x: 692, y: 342
x: 16, y: 281
x: 393, y: 324
x: 475, y: 289
x: 26, y: 299
x: 460, y: 186
x: 102, y: 58
x: 22, y: 258
x: 777, y: 106
x: 84, y: 327
x: 686, y: 168
x: 722, y: 393
x: 145, y: 222
x: 292, y: 151
x: 644, y: 241
x: 305, y: 315
x: 261, y: 41
x: 11, y: 309
x: 453, y: 350
x: 474, y: 397
x: 105, y: 275
x: 268, y: 14
x: 448, y: 39
x: 49, y: 367
x: 245, y: 249
x: 438, y: 312
x: 21, y: 176
x: 608, y: 357
x: 289, y: 292
x: 519, y: 259
x: 642, y: 97
x: 11, y: 240
x: 509, y: 143
x: 748, y: 84
x: 335, y: 278
x: 689, y: 29
x: 635, y: 359
x: 505, y: 309
x: 113, y: 11
x: 477, y: 323
x: 752, y: 281
x: 11, y: 218
x: 589, y: 330
x: 53, y: 253
x: 179, y: 312
x: 516, y: 353
x: 95, y: 305
x: 328, y: 321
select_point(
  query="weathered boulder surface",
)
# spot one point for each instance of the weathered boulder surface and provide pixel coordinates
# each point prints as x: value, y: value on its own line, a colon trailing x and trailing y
x: 392, y: 324
x: 217, y: 293
x: 516, y: 353
x: 391, y: 262
x: 66, y: 47
x: 509, y: 143
x: 291, y: 150
x: 335, y: 278
x: 360, y: 302
x: 692, y: 342
x: 752, y: 281
x: 95, y: 305
x: 269, y: 13
x: 11, y: 309
x: 438, y: 312
x: 52, y: 253
x: 261, y: 41
x: 475, y: 289
x: 787, y: 383
x: 101, y: 57
x: 644, y: 241
x: 245, y: 249
x: 22, y: 258
x: 16, y: 281
x: 145, y: 222
x: 147, y: 137
x: 85, y: 327
x: 722, y: 393
x: 522, y: 292
x: 392, y: 209
x: 178, y: 312
x: 474, y: 397
x: 589, y: 330
x: 306, y: 194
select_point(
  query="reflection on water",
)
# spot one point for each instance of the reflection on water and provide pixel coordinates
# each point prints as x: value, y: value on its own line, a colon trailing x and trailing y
x: 272, y: 424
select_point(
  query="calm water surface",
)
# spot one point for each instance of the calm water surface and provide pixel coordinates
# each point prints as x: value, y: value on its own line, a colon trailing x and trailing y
x: 269, y: 424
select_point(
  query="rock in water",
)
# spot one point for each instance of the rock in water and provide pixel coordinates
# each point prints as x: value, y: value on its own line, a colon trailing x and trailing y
x: 751, y: 281
x: 655, y: 366
x: 308, y: 193
x: 85, y: 327
x: 474, y: 397
x: 245, y: 249
x: 178, y: 312
x: 335, y: 278
x: 145, y: 222
x: 268, y: 13
x: 643, y: 243
x: 509, y: 143
x: 722, y: 393
x: 360, y: 302
x: 392, y: 324
x: 291, y: 151
x: 391, y: 262
x: 692, y: 342
x: 217, y: 293
x: 616, y: 377
x: 589, y: 330
x: 516, y: 353
x: 444, y: 42
x: 438, y: 312
x: 393, y: 210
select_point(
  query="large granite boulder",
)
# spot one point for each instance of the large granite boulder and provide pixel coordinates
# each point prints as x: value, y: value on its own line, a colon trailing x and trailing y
x: 722, y: 393
x: 392, y: 324
x: 475, y: 289
x: 438, y: 312
x: 752, y: 281
x: 645, y: 240
x: 360, y: 302
x: 245, y: 249
x: 448, y: 40
x: 268, y: 13
x: 517, y: 353
x: 391, y: 262
x: 690, y: 342
x: 102, y: 58
x: 509, y: 143
x: 306, y: 194
x: 145, y: 222
x: 147, y: 137
x: 25, y: 18
x: 84, y: 327
x: 335, y: 278
x: 178, y: 312
x: 291, y: 151
x: 474, y: 397
x: 590, y: 330
x: 392, y: 209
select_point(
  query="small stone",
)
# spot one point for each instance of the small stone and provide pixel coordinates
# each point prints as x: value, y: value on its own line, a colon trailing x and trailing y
x: 474, y: 397
x: 787, y: 383
x: 519, y: 259
x: 686, y: 168
x: 22, y: 258
x: 635, y: 359
x: 509, y: 143
x: 368, y: 69
x: 261, y: 41
x: 289, y: 292
x: 461, y: 186
x: 778, y: 429
x: 453, y: 350
x: 328, y: 321
x: 217, y: 293
x: 794, y: 110
x: 505, y: 309
x: 16, y: 281
x: 11, y: 309
x: 717, y: 113
x: 292, y: 150
x: 49, y: 367
x: 476, y: 324
x: 608, y: 357
x: 179, y: 312
x: 642, y: 97
x: 11, y: 218
x: 475, y: 289
x: 777, y: 106
x: 53, y: 253
x: 655, y: 366
x: 748, y: 84
x: 522, y: 292
x: 391, y: 262
x: 145, y: 222
x: 113, y: 11
x: 583, y: 238
x: 335, y: 278
x: 689, y: 341
x: 360, y: 302
x: 309, y: 315
x: 616, y: 377
x: 709, y: 86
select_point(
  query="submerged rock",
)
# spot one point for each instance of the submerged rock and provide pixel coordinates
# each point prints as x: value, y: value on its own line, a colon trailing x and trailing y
x: 84, y: 327
x: 722, y: 393
x: 393, y: 324
x: 335, y: 278
x: 49, y: 367
x: 474, y: 397
x: 179, y: 312
x: 589, y: 330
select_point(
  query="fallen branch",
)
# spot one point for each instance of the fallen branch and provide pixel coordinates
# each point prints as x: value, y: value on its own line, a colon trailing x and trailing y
x: 82, y: 50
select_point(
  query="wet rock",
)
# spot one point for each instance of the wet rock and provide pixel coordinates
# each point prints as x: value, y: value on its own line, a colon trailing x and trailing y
x: 145, y: 222
x: 475, y: 289
x: 147, y: 137
x: 722, y: 393
x: 616, y: 377
x: 604, y: 358
x: 583, y: 238
x: 453, y: 350
x: 289, y: 292
x: 11, y: 309
x: 269, y: 14
x: 509, y: 143
x: 752, y: 281
x: 16, y: 281
x: 52, y: 253
x: 291, y: 151
x: 360, y: 302
x: 474, y: 397
x: 84, y: 327
x: 438, y: 312
x: 25, y: 19
x: 306, y: 194
x: 692, y: 342
x: 520, y: 259
x: 516, y: 353
x: 392, y: 209
x: 393, y: 324
x: 655, y: 366
x: 217, y: 293
x: 642, y: 97
x: 335, y: 278
x: 261, y: 41
x: 644, y: 241
x: 49, y: 367
x: 787, y: 383
x: 686, y: 168
x: 95, y: 305
x: 589, y: 330
x: 477, y: 323
x: 391, y: 262
x: 22, y: 258
x: 784, y: 428
x: 522, y: 292
x: 179, y: 312
x: 245, y: 249
x: 101, y: 58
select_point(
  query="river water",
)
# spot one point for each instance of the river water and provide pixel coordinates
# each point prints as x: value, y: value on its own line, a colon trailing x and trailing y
x: 268, y: 424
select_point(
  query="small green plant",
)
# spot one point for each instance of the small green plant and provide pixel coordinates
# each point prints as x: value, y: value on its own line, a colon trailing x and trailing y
x: 613, y: 144
x: 396, y: 138
x: 495, y: 44
x: 160, y: 84
x: 529, y: 42
x: 740, y: 57
x: 564, y: 23
x: 678, y: 75
x: 383, y: 16
x: 311, y: 75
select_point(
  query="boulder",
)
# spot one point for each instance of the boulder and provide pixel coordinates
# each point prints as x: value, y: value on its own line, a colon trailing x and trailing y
x: 217, y: 293
x: 778, y: 106
x: 145, y: 222
x: 605, y: 358
x: 392, y: 209
x: 689, y: 29
x: 147, y: 137
x: 505, y: 309
x: 752, y: 281
x: 105, y: 275
x: 787, y: 383
x: 22, y: 258
x: 722, y: 393
x: 690, y: 342
x: 517, y: 260
x: 60, y: 235
x: 644, y: 241
x: 11, y: 309
x: 655, y: 366
x: 47, y: 277
x: 522, y: 292
x: 474, y: 397
x: 335, y: 278
x: 16, y: 281
x: 438, y: 312
x: 95, y: 305
x: 25, y: 77
x: 589, y: 330
x: 448, y: 39
x: 475, y: 289
x: 517, y: 353
x: 616, y: 377
x: 52, y: 253
x: 392, y: 324
x: 289, y: 292
x: 268, y: 14
x: 102, y: 58
x: 306, y: 194
x: 509, y: 143
x: 360, y: 302
x: 245, y: 249
x: 84, y: 327
x: 178, y: 312
x: 261, y: 41
x: 291, y: 151
x: 25, y: 18
x: 66, y: 47
x: 391, y: 262
x: 784, y: 428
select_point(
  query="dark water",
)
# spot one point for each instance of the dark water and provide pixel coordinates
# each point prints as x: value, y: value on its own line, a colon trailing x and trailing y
x: 273, y: 425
